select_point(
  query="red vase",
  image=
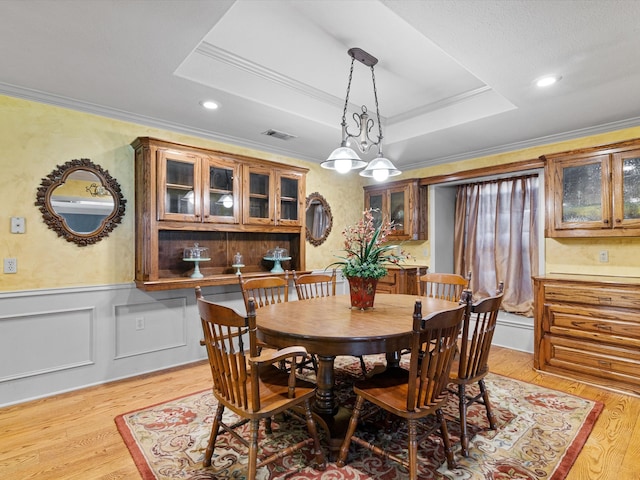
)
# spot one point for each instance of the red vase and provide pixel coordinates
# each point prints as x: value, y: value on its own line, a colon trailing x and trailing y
x: 362, y: 291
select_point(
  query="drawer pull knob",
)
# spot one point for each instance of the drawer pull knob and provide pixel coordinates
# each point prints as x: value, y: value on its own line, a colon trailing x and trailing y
x: 606, y: 300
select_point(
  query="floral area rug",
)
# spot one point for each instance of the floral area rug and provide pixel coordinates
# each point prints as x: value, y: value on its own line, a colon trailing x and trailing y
x: 540, y: 433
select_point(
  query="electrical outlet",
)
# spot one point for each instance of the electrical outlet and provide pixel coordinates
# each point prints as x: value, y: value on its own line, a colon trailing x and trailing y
x: 139, y: 323
x: 10, y: 265
x: 604, y: 256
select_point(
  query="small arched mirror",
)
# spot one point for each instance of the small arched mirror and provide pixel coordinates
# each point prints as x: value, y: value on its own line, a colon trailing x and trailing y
x: 81, y: 202
x: 318, y: 219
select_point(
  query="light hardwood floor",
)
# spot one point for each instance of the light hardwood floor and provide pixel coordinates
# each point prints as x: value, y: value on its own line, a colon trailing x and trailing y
x: 73, y: 436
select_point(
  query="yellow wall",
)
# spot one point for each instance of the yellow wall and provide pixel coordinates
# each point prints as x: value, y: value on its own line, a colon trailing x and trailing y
x: 570, y: 255
x: 37, y: 137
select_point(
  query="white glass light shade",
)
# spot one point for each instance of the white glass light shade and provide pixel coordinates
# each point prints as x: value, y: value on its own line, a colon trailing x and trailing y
x: 380, y: 169
x: 342, y: 160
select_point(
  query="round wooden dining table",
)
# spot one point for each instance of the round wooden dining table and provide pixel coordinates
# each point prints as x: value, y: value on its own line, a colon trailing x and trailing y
x: 328, y: 327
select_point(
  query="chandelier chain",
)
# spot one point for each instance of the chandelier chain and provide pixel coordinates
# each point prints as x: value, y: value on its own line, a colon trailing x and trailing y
x: 346, y: 101
x: 375, y: 96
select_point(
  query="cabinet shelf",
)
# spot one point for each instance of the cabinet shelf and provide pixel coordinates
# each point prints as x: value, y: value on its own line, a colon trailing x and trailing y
x: 171, y: 283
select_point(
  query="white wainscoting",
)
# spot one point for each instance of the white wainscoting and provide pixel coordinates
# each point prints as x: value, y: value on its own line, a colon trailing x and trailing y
x: 59, y: 340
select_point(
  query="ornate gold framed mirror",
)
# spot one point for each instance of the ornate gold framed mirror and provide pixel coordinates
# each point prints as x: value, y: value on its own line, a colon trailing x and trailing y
x: 318, y: 218
x: 81, y: 202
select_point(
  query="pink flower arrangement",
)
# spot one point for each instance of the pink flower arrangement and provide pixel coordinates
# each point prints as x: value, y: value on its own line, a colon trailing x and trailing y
x: 366, y: 251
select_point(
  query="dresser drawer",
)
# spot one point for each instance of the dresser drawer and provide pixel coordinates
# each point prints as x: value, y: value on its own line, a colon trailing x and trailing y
x: 596, y: 324
x: 587, y: 295
x: 390, y: 278
x: 597, y: 360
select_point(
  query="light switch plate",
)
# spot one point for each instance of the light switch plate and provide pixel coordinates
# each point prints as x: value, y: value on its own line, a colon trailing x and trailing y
x: 17, y: 224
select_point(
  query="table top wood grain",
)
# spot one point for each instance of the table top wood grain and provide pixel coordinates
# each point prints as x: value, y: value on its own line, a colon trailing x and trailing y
x: 329, y: 326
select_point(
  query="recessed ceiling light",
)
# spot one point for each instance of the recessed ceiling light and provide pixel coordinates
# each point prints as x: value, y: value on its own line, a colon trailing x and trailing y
x: 209, y: 104
x: 547, y: 80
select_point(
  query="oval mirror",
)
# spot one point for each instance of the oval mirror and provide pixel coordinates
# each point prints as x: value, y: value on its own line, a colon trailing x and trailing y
x: 81, y: 202
x: 318, y: 219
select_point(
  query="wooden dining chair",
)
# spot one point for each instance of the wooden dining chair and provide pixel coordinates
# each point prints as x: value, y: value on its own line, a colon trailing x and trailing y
x: 317, y: 285
x: 264, y: 290
x: 416, y: 393
x: 250, y: 385
x: 447, y: 286
x: 269, y: 291
x: 472, y: 360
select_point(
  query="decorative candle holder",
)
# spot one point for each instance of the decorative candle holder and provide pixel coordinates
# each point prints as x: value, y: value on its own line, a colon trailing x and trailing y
x: 196, y: 254
x: 237, y: 262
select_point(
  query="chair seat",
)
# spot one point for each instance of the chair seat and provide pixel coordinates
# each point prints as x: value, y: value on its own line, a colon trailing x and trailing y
x: 390, y: 388
x: 274, y: 386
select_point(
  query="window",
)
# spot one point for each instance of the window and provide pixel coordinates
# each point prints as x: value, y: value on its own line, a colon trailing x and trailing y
x: 496, y: 238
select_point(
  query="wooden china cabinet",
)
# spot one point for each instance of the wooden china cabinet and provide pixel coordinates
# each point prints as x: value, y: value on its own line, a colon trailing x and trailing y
x: 403, y: 202
x: 224, y: 202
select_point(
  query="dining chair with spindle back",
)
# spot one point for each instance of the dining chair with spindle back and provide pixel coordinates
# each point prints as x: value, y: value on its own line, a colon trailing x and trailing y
x: 249, y: 385
x: 448, y: 286
x: 416, y: 393
x: 472, y: 362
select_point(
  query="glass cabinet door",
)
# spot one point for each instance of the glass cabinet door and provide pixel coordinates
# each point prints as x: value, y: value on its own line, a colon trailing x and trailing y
x: 222, y: 204
x: 582, y: 193
x: 179, y: 191
x: 258, y: 192
x: 397, y: 210
x: 377, y: 202
x: 626, y: 180
x: 290, y: 197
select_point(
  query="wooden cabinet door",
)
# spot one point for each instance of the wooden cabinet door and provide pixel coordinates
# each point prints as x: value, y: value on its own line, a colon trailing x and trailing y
x: 289, y: 198
x: 580, y: 193
x: 179, y: 190
x: 221, y: 201
x: 626, y: 189
x: 258, y: 195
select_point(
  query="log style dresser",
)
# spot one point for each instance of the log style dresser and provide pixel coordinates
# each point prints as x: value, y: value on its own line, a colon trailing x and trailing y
x: 588, y: 328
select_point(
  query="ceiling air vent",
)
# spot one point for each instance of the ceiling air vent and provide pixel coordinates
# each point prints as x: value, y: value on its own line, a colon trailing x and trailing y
x: 277, y: 134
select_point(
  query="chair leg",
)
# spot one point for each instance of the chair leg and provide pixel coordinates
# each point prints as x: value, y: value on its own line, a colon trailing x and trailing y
x: 321, y: 462
x: 487, y: 405
x: 267, y: 426
x: 413, y: 449
x: 206, y: 462
x: 353, y: 423
x: 464, y: 434
x: 363, y: 366
x: 448, y: 451
x: 253, y: 450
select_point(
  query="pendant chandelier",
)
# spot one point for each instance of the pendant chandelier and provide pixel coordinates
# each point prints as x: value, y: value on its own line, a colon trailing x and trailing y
x: 344, y: 159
